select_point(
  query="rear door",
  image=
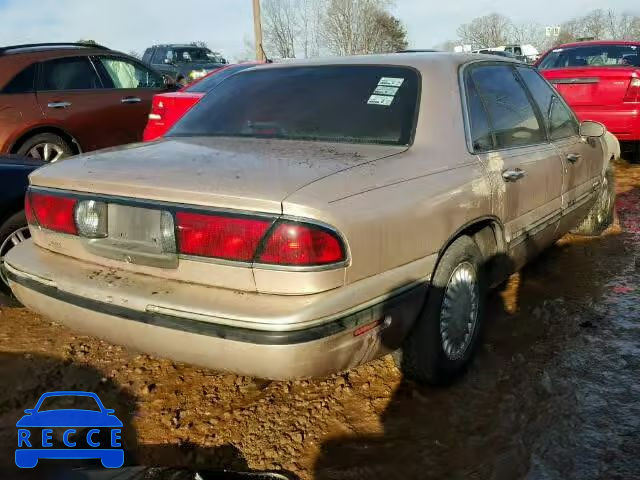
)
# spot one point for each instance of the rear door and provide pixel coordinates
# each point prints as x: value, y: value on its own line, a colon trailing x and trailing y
x: 524, y: 168
x: 72, y: 97
x: 133, y: 86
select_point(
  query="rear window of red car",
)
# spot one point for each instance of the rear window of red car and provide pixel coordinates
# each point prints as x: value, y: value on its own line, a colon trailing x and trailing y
x: 215, y: 79
x: 592, y: 56
x: 331, y: 103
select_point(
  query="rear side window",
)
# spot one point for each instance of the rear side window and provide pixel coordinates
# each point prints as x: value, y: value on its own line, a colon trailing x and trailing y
x: 212, y: 81
x: 23, y: 82
x: 511, y: 115
x: 73, y: 73
x: 341, y: 103
x: 481, y: 137
x: 592, y: 56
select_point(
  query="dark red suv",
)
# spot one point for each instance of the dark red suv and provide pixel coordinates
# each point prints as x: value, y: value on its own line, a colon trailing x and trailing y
x: 62, y: 99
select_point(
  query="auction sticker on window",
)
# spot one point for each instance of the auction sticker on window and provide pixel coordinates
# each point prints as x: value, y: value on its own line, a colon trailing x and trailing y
x: 380, y: 100
x: 382, y: 90
x: 390, y: 82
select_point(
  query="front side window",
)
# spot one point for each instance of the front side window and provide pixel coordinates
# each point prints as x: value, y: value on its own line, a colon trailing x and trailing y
x: 562, y: 123
x: 159, y: 56
x: 348, y: 103
x: 71, y: 73
x: 511, y: 114
x: 125, y: 74
x: 592, y: 56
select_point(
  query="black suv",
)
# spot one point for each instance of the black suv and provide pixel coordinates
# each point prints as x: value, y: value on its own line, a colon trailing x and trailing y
x: 190, y: 61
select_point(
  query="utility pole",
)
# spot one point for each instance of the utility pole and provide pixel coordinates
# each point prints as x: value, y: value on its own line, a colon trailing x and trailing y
x: 257, y: 31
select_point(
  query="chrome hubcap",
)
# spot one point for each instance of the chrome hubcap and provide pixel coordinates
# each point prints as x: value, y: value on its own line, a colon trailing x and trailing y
x: 16, y: 237
x: 459, y: 311
x: 49, y: 152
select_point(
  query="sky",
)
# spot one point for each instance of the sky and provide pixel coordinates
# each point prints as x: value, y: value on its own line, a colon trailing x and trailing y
x: 226, y: 25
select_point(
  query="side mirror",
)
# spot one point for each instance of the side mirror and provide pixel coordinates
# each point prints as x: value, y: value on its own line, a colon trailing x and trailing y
x: 591, y: 129
x: 168, y: 61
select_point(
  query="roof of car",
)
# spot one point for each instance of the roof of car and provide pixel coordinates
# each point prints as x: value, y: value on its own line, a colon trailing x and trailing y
x: 40, y: 47
x: 597, y: 42
x: 418, y: 60
x: 174, y: 45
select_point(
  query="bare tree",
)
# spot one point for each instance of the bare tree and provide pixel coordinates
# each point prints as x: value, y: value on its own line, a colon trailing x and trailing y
x: 488, y: 31
x: 310, y: 20
x: 528, y: 33
x: 354, y: 27
x: 135, y: 54
x: 200, y: 43
x: 623, y: 26
x: 594, y: 24
x: 280, y: 26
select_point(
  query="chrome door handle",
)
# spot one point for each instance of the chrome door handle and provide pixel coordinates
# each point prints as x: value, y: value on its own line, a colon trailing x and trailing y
x: 130, y: 100
x: 58, y: 104
x: 574, y: 157
x: 513, y: 175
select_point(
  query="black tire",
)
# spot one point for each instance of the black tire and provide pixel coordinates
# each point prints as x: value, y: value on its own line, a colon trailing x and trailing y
x: 601, y: 215
x: 422, y: 357
x: 11, y: 225
x: 43, y: 138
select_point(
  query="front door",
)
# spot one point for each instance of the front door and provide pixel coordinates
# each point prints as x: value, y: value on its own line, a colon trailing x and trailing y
x: 133, y: 86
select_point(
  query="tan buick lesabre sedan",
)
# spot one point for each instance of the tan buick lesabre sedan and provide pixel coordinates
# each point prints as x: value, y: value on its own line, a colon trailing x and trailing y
x: 304, y: 218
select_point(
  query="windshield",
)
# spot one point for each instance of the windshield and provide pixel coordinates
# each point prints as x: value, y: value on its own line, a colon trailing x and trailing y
x: 216, y: 78
x: 193, y: 55
x: 65, y: 402
x: 592, y: 56
x: 354, y: 104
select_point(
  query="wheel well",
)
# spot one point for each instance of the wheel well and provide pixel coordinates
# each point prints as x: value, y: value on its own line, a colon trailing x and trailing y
x: 73, y: 144
x: 489, y: 236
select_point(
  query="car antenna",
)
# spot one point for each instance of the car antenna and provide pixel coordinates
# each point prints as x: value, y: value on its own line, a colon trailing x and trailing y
x: 264, y: 54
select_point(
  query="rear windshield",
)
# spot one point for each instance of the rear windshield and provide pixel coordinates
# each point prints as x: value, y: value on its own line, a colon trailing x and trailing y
x: 353, y: 104
x: 213, y: 80
x: 592, y: 56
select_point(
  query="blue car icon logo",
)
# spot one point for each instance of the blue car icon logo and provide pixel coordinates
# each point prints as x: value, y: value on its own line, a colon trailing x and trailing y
x: 92, y: 433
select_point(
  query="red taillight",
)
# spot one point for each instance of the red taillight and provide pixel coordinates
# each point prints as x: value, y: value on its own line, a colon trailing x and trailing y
x: 633, y: 92
x: 157, y: 110
x: 52, y: 212
x: 231, y: 238
x: 28, y: 210
x: 302, y: 245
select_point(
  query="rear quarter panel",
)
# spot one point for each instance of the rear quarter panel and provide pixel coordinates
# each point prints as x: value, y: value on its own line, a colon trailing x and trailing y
x: 407, y: 207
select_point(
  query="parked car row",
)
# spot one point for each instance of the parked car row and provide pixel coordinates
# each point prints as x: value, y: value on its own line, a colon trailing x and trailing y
x: 304, y: 218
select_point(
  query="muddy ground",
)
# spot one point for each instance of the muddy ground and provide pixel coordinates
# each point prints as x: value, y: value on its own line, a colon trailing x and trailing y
x: 554, y: 392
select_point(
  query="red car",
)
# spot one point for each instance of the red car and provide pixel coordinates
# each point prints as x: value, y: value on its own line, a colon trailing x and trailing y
x: 600, y: 80
x: 168, y: 108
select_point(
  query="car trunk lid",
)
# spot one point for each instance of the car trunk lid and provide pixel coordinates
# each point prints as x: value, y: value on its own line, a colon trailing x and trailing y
x: 235, y: 173
x: 592, y: 86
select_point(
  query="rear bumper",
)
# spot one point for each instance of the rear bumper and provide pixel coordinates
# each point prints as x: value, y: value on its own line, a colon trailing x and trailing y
x: 322, y: 348
x: 623, y: 121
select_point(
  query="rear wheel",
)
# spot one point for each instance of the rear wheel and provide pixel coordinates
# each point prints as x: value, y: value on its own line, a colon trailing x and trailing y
x: 442, y: 342
x: 12, y: 232
x: 45, y: 146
